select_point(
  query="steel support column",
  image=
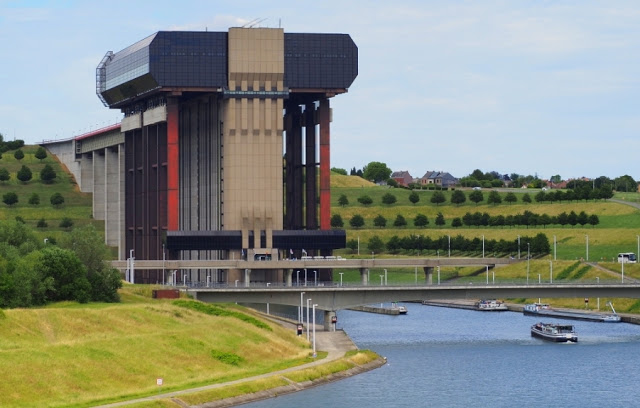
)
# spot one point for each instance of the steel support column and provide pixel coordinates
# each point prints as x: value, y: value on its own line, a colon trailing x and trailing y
x: 325, y: 165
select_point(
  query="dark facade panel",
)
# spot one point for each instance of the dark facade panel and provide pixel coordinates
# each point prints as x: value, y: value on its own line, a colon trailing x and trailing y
x: 306, y: 239
x: 203, y: 240
x: 326, y: 61
x: 212, y: 240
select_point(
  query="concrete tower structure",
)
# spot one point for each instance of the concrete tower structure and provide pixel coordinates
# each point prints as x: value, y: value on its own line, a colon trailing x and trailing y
x: 225, y: 147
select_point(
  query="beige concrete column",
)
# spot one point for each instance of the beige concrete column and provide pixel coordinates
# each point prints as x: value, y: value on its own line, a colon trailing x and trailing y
x: 329, y: 316
x: 289, y: 277
x: 86, y: 173
x: 112, y: 196
x: 364, y: 276
x: 428, y: 275
x: 99, y: 183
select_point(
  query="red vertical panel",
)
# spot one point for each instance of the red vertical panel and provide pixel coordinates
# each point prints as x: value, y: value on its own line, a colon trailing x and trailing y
x: 325, y: 165
x: 173, y: 173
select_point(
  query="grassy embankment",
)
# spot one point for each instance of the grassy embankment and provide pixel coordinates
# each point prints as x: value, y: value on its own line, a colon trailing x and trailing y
x: 77, y: 206
x: 81, y: 355
x: 617, y: 232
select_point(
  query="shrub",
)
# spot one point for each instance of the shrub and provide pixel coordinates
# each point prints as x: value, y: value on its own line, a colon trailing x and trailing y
x: 41, y: 153
x: 4, y: 174
x: 10, y: 198
x: 47, y: 174
x: 56, y: 200
x: 34, y: 199
x: 24, y: 174
x: 18, y: 154
x: 42, y: 223
x: 66, y: 222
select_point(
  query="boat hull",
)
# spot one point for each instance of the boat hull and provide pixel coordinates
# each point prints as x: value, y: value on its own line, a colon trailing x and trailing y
x: 538, y: 330
x: 561, y: 314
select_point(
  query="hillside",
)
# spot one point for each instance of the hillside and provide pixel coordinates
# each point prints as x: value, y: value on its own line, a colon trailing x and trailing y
x: 77, y: 206
x: 80, y: 355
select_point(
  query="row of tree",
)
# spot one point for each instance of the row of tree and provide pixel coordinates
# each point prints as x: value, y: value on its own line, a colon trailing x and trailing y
x: 47, y: 174
x: 34, y: 273
x: 11, y: 198
x: 537, y: 245
x: 477, y: 219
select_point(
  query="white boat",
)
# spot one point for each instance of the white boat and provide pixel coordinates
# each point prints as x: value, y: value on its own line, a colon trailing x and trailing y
x: 559, y: 333
x: 491, y: 305
x: 401, y: 309
x: 543, y: 309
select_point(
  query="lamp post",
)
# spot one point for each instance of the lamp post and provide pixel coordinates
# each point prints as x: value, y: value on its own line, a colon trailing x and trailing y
x: 622, y: 269
x: 315, y: 278
x: 550, y: 271
x: 381, y: 279
x: 300, y: 310
x: 483, y: 246
x: 554, y: 247
x: 438, y: 274
x: 487, y: 274
x: 449, y: 238
x: 341, y: 273
x: 587, y: 237
x: 163, y: 261
x: 298, y: 278
x: 314, y: 330
x: 132, y: 275
x: 528, y: 258
x: 598, y: 299
x: 305, y: 276
x: 518, y: 246
x: 638, y: 253
x: 386, y: 282
x: 308, y: 300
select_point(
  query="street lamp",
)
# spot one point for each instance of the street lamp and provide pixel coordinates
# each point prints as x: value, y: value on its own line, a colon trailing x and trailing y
x: 300, y: 310
x: 487, y: 274
x: 449, y: 237
x: 381, y: 278
x: 483, y: 246
x: 587, y: 247
x: 315, y: 278
x: 163, y: 261
x: 518, y: 246
x: 554, y: 247
x: 438, y: 274
x: 298, y: 278
x: 550, y: 271
x: 308, y: 300
x: 314, y: 330
x: 528, y: 258
x: 305, y: 276
x: 386, y: 282
x: 341, y: 273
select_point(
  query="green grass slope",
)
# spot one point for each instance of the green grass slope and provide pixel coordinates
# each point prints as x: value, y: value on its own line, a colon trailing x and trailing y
x: 82, y: 355
x: 77, y: 205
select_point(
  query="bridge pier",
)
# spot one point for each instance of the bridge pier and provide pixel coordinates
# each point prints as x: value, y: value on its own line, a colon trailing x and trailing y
x: 364, y: 276
x: 289, y: 277
x: 328, y: 319
x: 247, y: 278
x: 428, y: 275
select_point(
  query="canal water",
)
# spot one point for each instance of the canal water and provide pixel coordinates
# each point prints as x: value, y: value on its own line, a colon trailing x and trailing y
x: 441, y: 357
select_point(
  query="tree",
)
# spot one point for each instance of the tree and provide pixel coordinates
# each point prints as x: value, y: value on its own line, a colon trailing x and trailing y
x: 34, y: 199
x: 440, y: 220
x: 458, y: 197
x: 526, y: 198
x: 68, y: 274
x: 456, y: 222
x: 18, y: 154
x: 388, y: 199
x: 510, y: 198
x: 400, y: 221
x: 336, y: 221
x: 24, y: 174
x: 380, y: 221
x: 365, y: 200
x: 343, y: 200
x: 41, y: 153
x: 42, y: 223
x: 421, y: 220
x: 375, y: 244
x: 376, y: 172
x: 556, y: 179
x: 66, y: 222
x: 414, y: 197
x: 335, y: 170
x: 4, y: 175
x: 594, y: 220
x: 47, y: 174
x: 356, y: 221
x: 541, y: 197
x: 56, y: 200
x: 476, y: 196
x: 10, y: 198
x: 88, y: 245
x: 438, y: 197
x: 494, y: 197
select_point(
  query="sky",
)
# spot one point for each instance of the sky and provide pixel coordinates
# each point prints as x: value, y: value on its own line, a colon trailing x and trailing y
x: 530, y: 87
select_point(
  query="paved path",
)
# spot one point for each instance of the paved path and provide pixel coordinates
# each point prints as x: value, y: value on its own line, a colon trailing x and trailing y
x: 336, y: 344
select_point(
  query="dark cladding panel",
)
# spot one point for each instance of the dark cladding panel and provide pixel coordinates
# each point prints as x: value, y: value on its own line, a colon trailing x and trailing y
x: 305, y: 239
x: 328, y: 61
x: 203, y: 240
x: 189, y: 58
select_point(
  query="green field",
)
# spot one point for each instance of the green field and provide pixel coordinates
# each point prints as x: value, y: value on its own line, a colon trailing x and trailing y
x: 617, y: 231
x: 77, y: 205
